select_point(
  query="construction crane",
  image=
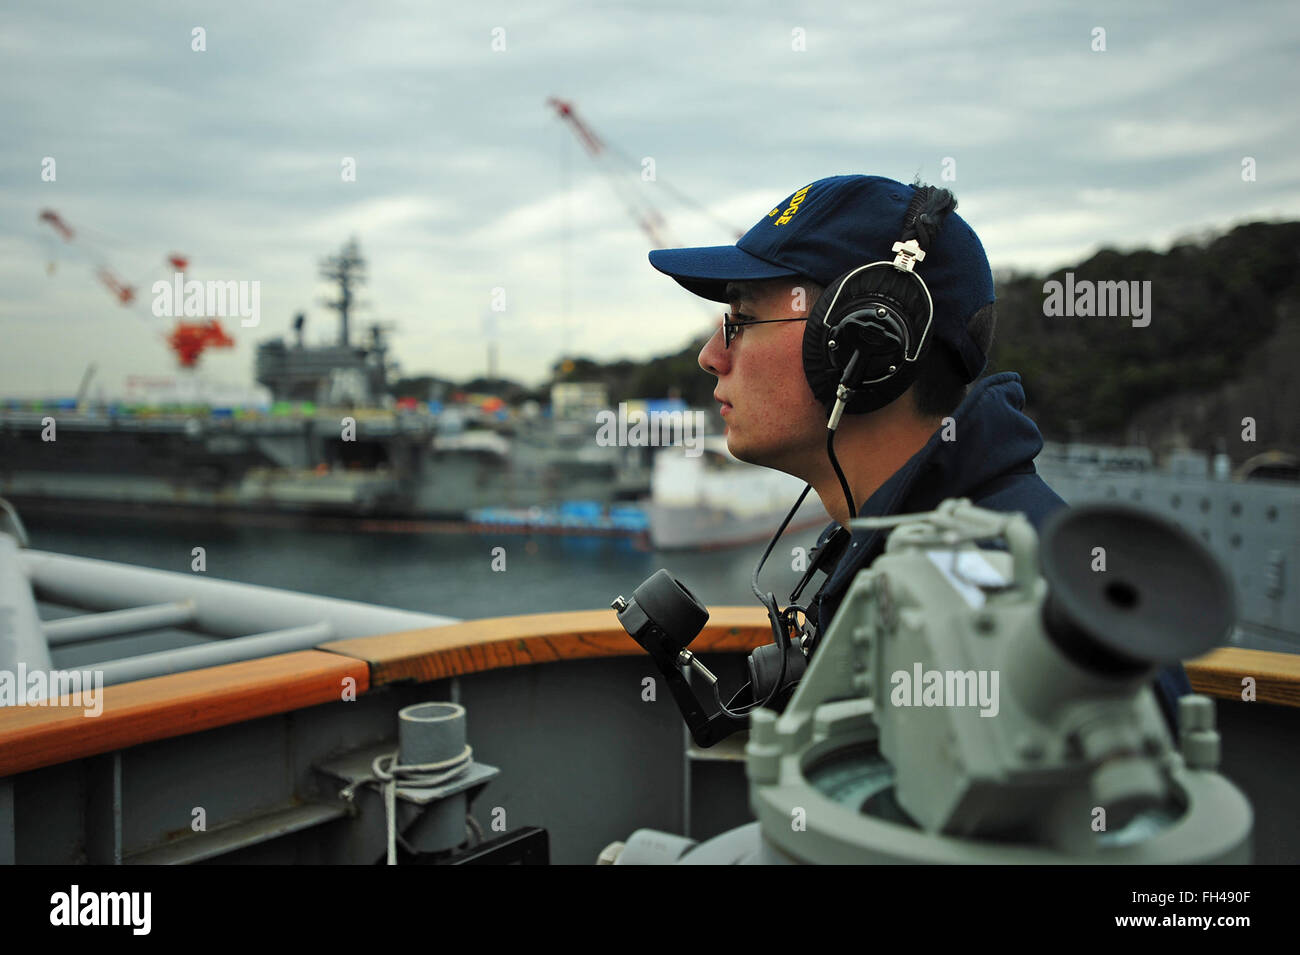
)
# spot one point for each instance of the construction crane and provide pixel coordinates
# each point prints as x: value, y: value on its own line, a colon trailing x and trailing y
x: 638, y: 206
x: 187, y: 340
x: 616, y: 166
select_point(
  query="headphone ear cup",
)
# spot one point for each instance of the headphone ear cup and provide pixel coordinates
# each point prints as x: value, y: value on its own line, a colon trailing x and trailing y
x: 880, y: 339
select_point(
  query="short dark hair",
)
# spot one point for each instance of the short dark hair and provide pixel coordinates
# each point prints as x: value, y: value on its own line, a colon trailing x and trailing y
x: 939, y: 387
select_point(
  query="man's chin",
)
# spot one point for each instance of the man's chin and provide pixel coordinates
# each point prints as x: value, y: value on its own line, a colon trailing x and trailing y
x: 778, y: 459
x: 743, y: 451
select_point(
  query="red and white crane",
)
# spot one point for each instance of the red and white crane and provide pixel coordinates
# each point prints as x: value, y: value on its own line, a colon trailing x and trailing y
x: 617, y: 167
x: 187, y: 339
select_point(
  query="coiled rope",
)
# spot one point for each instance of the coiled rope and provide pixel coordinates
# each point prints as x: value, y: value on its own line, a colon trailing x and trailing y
x: 389, y: 773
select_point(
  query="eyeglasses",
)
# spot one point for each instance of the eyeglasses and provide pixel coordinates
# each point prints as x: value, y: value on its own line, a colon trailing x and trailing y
x: 731, y: 326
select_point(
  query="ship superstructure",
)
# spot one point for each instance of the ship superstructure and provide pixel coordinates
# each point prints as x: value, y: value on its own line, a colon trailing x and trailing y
x: 331, y: 441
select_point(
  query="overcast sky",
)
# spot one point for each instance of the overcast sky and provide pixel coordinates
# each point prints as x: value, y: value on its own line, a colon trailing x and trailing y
x: 466, y: 181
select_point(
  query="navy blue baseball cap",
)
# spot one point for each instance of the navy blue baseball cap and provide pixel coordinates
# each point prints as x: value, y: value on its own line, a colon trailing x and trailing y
x: 833, y: 225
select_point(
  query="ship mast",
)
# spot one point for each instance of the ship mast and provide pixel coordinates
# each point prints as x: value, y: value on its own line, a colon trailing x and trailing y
x: 348, y: 270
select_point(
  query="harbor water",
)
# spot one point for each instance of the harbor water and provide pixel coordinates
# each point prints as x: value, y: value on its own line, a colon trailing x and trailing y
x: 456, y: 574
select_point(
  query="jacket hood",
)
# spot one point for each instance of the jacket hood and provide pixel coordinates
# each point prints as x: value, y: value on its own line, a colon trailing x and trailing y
x: 991, y: 436
x: 989, y: 460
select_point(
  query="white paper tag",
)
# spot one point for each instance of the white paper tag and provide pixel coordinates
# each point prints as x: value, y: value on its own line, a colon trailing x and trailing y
x: 972, y: 572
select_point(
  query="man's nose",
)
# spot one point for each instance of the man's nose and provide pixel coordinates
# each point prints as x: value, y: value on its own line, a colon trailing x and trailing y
x: 713, y: 357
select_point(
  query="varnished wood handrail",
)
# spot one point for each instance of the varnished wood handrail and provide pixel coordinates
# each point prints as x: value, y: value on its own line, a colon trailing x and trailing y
x: 174, y: 705
x: 1223, y: 673
x: 432, y: 653
x: 491, y: 643
x: 475, y: 645
x: 183, y: 703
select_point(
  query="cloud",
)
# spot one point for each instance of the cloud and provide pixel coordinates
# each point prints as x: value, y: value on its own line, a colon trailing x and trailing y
x: 467, y: 180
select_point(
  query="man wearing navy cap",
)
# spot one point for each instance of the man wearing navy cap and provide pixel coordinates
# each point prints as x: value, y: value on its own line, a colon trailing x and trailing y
x: 940, y: 438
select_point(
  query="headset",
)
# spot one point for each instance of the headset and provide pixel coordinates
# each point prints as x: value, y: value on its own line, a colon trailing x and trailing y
x: 869, y: 329
x: 862, y: 347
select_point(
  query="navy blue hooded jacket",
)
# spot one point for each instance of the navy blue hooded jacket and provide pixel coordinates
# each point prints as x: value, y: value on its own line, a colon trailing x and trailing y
x: 991, y: 463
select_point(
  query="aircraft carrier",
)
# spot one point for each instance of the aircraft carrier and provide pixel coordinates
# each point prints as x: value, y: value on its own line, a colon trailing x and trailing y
x: 331, y: 443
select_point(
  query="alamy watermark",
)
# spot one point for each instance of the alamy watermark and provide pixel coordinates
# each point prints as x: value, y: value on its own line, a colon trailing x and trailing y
x: 641, y: 429
x: 72, y: 688
x: 212, y: 299
x: 946, y: 688
x: 131, y: 909
x: 1086, y: 299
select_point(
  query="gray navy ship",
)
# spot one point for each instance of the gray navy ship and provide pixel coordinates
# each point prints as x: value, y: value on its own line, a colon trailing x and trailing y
x: 331, y: 443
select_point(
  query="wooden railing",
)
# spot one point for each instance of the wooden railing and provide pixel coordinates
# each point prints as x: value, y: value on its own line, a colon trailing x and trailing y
x: 433, y: 653
x: 174, y: 705
x: 184, y: 703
